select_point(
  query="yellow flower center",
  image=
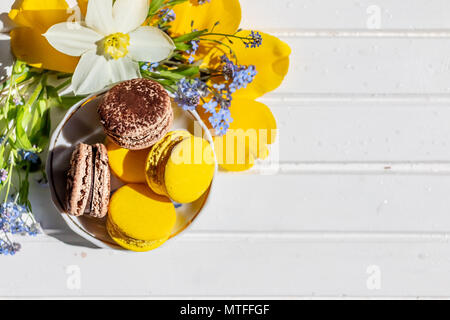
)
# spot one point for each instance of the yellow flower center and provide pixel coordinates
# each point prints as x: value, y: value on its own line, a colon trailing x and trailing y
x: 116, y: 45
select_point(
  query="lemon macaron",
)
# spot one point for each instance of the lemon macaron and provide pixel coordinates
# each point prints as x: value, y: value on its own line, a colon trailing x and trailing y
x: 127, y: 165
x: 140, y: 220
x: 181, y: 167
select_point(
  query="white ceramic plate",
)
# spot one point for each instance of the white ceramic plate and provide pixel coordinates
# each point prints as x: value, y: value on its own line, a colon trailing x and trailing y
x: 82, y: 124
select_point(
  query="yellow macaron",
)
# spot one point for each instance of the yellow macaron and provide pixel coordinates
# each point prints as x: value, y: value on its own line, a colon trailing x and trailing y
x: 140, y: 220
x: 127, y: 165
x: 180, y: 166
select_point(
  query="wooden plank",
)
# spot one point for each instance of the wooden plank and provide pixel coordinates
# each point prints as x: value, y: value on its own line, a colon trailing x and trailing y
x: 329, y: 203
x: 229, y: 268
x: 367, y: 66
x: 345, y: 14
x: 362, y: 131
x: 305, y: 203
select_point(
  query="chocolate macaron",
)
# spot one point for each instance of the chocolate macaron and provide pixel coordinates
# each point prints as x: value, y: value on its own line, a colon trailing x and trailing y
x: 88, y: 181
x: 136, y: 114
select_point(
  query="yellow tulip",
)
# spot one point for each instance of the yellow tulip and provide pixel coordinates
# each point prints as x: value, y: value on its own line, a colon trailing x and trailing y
x: 205, y: 16
x: 253, y: 129
x: 254, y: 126
x: 27, y: 43
x: 271, y: 60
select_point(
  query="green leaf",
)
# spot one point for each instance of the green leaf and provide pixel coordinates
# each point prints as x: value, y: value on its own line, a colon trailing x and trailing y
x: 53, y: 98
x: 12, y: 112
x: 155, y: 6
x: 69, y: 101
x: 187, y: 71
x: 172, y: 3
x: 189, y: 36
x: 21, y: 136
x: 24, y: 189
x: 2, y: 159
x: 182, y: 46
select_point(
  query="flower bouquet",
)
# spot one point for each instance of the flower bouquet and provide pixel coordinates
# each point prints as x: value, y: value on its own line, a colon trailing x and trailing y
x: 194, y: 49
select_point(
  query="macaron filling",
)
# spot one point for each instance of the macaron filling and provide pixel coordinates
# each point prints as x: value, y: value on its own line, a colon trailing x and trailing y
x: 128, y: 242
x: 88, y: 181
x: 78, y: 180
x: 89, y: 205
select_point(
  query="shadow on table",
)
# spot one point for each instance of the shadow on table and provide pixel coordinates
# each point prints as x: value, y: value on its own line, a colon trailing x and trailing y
x: 6, y: 59
x: 51, y: 221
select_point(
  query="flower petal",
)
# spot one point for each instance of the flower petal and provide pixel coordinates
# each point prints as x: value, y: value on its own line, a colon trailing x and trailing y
x: 99, y: 16
x: 129, y: 14
x: 204, y: 16
x: 123, y: 69
x: 253, y: 129
x: 29, y: 45
x: 271, y: 60
x: 92, y: 74
x: 82, y: 4
x: 150, y: 44
x: 40, y: 14
x: 72, y: 38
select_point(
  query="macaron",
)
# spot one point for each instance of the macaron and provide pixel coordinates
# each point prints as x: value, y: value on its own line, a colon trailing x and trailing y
x: 127, y: 165
x: 88, y: 181
x: 180, y: 167
x: 136, y: 114
x: 140, y: 220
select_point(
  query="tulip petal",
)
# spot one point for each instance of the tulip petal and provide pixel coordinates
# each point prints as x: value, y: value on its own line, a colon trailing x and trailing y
x: 82, y: 4
x: 100, y: 17
x: 252, y: 130
x: 129, y: 14
x: 72, y: 38
x: 271, y: 60
x: 39, y: 15
x: 29, y: 45
x: 150, y: 44
x: 92, y: 74
x: 123, y: 69
x: 205, y: 16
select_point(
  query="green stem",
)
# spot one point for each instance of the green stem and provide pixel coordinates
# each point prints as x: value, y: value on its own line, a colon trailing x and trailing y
x: 63, y: 85
x: 11, y: 167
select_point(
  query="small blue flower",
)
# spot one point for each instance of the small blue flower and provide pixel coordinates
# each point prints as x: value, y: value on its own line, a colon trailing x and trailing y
x: 9, y: 248
x: 220, y: 121
x: 15, y: 219
x: 195, y: 46
x: 3, y: 175
x: 29, y: 156
x: 167, y: 15
x: 254, y: 40
x: 222, y: 129
x: 210, y: 106
x: 150, y: 66
x: 189, y: 93
x: 177, y: 205
x: 18, y: 101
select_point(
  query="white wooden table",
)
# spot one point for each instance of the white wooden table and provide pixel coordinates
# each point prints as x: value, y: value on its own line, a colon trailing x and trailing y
x: 361, y: 206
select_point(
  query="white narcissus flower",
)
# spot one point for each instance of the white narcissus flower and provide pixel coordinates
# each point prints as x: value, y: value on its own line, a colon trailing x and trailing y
x: 110, y: 42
